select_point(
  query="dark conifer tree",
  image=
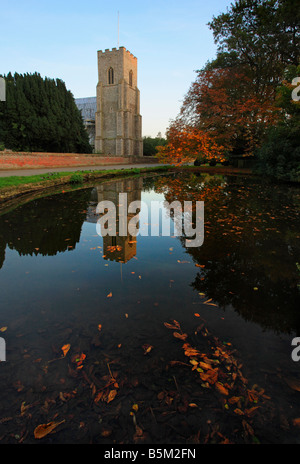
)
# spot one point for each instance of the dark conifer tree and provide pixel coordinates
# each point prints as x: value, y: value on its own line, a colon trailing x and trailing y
x: 41, y: 115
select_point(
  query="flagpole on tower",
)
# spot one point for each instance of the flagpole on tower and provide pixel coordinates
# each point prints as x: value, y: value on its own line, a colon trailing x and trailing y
x: 118, y: 29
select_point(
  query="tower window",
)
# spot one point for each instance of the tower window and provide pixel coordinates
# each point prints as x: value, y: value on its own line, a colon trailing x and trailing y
x: 110, y: 76
x: 130, y: 78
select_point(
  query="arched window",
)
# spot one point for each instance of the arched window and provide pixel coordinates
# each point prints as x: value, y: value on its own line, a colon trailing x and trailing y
x: 130, y: 78
x: 110, y: 75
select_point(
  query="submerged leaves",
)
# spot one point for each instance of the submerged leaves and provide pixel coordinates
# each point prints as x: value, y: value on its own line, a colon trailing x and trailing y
x: 218, y: 368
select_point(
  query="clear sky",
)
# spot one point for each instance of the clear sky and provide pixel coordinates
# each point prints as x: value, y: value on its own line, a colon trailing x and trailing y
x: 60, y: 39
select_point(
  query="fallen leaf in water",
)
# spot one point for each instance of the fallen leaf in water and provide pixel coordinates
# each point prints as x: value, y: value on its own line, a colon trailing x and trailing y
x: 221, y: 389
x: 181, y: 336
x: 65, y: 349
x: 111, y: 395
x: 138, y: 432
x: 210, y: 376
x: 248, y: 429
x: 251, y: 410
x: 78, y: 359
x: 98, y: 396
x: 175, y: 325
x: 205, y: 365
x: 24, y: 408
x: 293, y: 383
x: 147, y: 348
x: 234, y: 399
x: 43, y: 429
x: 239, y: 412
x: 189, y: 351
x: 296, y: 422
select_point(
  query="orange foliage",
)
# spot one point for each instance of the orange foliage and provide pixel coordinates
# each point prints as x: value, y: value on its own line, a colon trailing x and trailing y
x: 222, y: 112
x: 186, y: 143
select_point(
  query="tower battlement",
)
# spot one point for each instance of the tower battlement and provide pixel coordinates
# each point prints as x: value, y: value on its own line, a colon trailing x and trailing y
x: 117, y: 50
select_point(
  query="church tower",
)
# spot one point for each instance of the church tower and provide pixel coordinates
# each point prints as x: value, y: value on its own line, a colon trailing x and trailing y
x: 118, y: 121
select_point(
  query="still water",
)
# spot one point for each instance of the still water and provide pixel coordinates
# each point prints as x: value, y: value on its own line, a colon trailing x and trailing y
x: 107, y: 300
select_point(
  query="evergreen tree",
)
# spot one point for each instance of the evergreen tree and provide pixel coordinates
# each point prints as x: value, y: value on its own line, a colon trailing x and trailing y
x: 41, y: 115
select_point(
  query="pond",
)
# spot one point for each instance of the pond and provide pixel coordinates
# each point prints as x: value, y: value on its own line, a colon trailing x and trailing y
x: 142, y: 339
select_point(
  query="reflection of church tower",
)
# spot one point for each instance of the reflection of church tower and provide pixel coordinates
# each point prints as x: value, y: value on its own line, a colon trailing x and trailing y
x: 120, y: 248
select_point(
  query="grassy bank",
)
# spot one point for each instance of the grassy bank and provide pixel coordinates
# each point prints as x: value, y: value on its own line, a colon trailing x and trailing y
x: 14, y: 186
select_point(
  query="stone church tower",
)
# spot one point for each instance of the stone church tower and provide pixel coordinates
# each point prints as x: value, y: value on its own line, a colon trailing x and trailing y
x: 118, y: 123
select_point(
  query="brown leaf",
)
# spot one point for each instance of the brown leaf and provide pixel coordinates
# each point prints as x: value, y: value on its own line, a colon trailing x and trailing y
x: 43, y: 429
x: 248, y: 429
x: 251, y: 410
x: 181, y: 336
x: 174, y: 326
x: 234, y: 399
x: 293, y: 383
x: 204, y: 365
x: 239, y: 412
x: 65, y: 349
x: 111, y: 395
x: 98, y: 396
x: 189, y: 351
x: 147, y: 348
x: 221, y: 389
x: 210, y: 376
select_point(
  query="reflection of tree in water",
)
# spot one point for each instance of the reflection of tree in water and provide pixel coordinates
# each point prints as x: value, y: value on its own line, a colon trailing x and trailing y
x: 45, y: 226
x: 250, y: 246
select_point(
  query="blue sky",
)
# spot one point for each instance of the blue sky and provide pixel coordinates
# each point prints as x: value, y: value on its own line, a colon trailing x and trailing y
x: 60, y: 39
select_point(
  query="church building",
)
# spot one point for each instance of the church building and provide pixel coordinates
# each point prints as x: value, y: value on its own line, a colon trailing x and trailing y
x: 118, y: 123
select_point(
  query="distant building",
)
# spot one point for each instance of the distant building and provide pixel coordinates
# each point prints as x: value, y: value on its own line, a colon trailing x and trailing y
x: 88, y: 108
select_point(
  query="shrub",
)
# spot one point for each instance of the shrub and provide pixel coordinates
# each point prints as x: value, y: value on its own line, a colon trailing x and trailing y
x: 76, y: 178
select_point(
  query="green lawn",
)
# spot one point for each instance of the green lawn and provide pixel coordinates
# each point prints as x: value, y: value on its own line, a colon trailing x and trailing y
x: 15, y: 181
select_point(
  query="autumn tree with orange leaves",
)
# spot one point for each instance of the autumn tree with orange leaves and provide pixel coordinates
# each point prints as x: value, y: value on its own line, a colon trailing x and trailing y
x: 186, y: 142
x: 230, y: 106
x: 221, y: 114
